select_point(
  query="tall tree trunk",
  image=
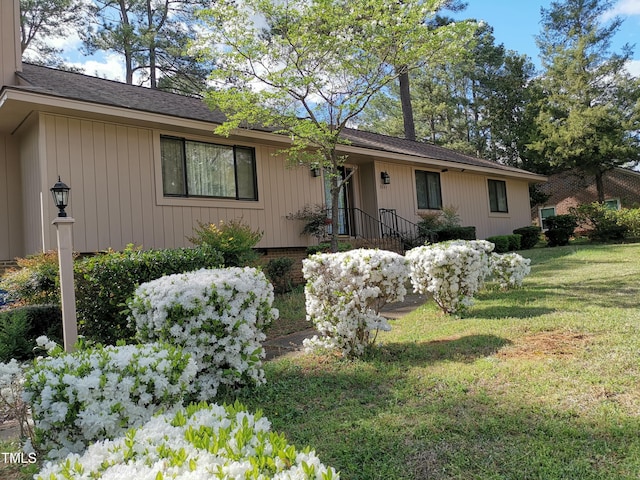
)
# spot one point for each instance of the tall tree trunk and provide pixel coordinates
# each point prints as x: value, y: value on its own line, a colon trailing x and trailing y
x: 405, y: 101
x: 600, y: 186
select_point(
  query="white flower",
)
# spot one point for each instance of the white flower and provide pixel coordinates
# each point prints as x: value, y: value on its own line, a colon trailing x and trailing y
x: 345, y: 292
x: 217, y: 315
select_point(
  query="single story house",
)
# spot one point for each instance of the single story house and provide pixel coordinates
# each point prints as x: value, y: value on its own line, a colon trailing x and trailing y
x: 572, y: 188
x: 144, y: 166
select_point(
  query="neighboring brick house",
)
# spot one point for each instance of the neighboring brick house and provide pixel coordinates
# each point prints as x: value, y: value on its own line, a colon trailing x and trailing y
x: 572, y: 188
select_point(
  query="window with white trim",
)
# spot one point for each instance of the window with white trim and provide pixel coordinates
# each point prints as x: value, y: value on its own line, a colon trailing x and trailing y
x: 613, y: 204
x: 545, y: 213
x: 200, y: 169
x: 498, y: 196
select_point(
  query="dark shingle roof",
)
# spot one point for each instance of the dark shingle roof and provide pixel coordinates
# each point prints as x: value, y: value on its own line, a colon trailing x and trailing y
x: 76, y: 86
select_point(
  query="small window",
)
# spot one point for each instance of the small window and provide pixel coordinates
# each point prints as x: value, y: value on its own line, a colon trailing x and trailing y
x: 428, y: 190
x: 199, y: 169
x: 545, y: 213
x: 613, y: 204
x: 498, y: 196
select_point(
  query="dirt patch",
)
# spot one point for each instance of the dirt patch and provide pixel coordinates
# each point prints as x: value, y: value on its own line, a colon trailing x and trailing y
x: 556, y: 343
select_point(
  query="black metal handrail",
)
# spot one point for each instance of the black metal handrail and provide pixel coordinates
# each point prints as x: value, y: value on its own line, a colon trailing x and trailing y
x: 388, y: 231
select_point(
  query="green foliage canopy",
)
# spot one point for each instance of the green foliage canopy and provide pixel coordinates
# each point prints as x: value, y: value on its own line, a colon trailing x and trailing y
x: 589, y: 114
x: 308, y: 68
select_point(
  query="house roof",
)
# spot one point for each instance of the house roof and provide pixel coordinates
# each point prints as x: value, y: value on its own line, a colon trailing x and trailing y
x: 75, y: 86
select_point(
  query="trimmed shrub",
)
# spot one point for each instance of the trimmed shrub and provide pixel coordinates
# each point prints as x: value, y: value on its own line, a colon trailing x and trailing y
x: 561, y: 228
x: 106, y: 281
x: 451, y: 272
x: 278, y: 271
x: 218, y: 316
x: 198, y: 442
x: 530, y: 236
x: 20, y: 327
x: 515, y: 240
x: 345, y: 292
x: 99, y: 393
x: 234, y: 240
x: 501, y: 243
x: 455, y: 233
x: 35, y: 282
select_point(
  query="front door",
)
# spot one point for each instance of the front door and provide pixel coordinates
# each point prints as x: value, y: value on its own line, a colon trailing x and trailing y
x: 345, y: 200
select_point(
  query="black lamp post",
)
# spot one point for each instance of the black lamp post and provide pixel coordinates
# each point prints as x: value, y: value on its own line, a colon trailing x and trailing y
x: 60, y: 192
x: 386, y: 179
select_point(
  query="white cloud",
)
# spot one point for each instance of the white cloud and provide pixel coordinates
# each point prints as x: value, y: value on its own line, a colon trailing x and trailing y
x: 107, y: 66
x: 623, y: 8
x: 633, y: 67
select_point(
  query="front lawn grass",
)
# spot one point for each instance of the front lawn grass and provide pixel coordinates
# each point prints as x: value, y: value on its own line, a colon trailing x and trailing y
x: 535, y: 383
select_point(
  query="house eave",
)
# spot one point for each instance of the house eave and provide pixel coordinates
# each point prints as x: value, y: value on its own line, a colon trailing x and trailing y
x: 16, y: 104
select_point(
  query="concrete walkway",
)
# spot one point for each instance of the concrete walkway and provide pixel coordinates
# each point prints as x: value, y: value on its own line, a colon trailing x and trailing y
x: 292, y: 343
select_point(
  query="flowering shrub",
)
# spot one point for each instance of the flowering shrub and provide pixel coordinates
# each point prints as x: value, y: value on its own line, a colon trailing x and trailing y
x: 452, y: 272
x: 201, y: 441
x: 11, y: 382
x: 78, y: 398
x: 345, y: 292
x: 509, y: 269
x: 216, y: 315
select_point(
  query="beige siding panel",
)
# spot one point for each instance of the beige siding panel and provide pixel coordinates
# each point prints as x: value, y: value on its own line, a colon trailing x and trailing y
x: 112, y: 170
x: 400, y: 193
x: 31, y: 190
x: 11, y: 229
x: 467, y: 193
x: 87, y: 163
x: 99, y: 158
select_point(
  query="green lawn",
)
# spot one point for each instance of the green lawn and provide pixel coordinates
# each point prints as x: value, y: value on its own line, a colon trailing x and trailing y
x: 538, y: 383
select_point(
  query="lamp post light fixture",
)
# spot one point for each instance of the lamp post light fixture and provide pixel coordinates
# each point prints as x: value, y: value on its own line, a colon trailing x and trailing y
x: 60, y: 192
x: 386, y: 179
x: 64, y: 225
x: 315, y: 171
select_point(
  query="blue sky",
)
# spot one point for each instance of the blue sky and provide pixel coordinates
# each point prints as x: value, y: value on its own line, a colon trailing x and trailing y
x: 516, y: 22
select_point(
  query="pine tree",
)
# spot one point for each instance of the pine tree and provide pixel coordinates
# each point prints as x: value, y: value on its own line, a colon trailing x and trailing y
x: 589, y: 114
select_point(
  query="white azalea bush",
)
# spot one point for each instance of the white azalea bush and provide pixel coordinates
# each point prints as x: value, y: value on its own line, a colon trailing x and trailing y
x: 509, y: 269
x: 80, y: 397
x: 345, y: 292
x: 451, y: 272
x: 199, y: 442
x: 217, y: 315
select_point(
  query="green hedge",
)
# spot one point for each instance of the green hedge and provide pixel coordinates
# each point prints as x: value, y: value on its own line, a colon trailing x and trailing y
x: 19, y: 328
x: 105, y: 281
x: 560, y: 229
x: 530, y: 236
x: 455, y: 233
x: 506, y: 243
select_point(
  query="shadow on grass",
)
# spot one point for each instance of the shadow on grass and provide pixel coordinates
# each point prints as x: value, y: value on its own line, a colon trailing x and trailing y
x: 460, y: 349
x: 510, y: 311
x: 386, y: 417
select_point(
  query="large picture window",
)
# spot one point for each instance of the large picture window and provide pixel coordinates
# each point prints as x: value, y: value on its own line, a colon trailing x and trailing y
x: 498, y: 196
x: 199, y: 169
x: 428, y: 190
